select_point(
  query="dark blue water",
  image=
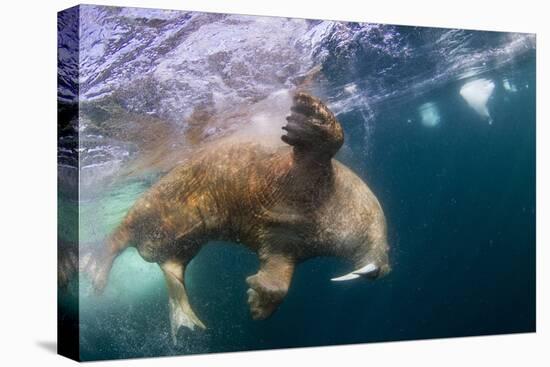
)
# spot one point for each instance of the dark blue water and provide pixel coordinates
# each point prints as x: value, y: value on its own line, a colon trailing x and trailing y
x: 461, y: 202
x: 458, y: 194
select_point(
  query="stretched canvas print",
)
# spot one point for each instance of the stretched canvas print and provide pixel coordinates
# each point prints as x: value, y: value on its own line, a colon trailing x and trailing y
x: 232, y: 183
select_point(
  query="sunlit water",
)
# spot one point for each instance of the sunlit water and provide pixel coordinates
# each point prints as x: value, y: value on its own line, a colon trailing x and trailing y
x: 439, y: 123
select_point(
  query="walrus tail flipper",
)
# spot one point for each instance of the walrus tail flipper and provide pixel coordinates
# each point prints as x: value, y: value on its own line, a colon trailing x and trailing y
x: 312, y: 129
x: 181, y: 313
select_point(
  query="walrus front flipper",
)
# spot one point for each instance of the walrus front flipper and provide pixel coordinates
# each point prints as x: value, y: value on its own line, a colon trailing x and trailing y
x: 181, y: 313
x: 269, y: 286
x: 312, y: 129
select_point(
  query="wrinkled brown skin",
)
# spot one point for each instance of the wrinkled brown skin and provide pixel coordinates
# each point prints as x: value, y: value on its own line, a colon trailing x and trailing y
x: 287, y: 203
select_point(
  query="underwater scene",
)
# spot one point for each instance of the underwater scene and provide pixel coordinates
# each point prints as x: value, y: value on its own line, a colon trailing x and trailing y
x: 232, y: 183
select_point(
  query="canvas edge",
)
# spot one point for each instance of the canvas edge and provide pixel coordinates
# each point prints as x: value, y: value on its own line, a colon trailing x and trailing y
x: 68, y: 336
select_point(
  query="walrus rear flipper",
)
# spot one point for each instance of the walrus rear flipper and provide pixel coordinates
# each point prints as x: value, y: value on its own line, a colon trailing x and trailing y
x: 94, y: 261
x: 181, y: 313
x: 312, y: 129
x: 67, y: 263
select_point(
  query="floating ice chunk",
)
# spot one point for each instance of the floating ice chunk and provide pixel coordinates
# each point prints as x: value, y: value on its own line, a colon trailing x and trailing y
x: 477, y: 93
x: 509, y: 86
x: 429, y: 114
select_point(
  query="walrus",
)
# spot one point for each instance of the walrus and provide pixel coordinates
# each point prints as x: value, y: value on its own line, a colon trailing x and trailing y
x: 288, y: 203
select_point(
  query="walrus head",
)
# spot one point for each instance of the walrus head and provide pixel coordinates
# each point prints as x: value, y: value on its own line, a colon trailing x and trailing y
x: 312, y: 128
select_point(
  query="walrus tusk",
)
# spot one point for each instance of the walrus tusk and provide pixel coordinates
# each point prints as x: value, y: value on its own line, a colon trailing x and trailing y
x: 365, y: 270
x: 349, y: 276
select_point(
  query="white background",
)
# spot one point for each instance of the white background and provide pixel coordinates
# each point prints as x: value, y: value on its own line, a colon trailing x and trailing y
x: 28, y: 183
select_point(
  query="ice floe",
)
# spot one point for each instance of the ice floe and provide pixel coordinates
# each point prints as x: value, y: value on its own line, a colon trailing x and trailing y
x: 476, y: 93
x: 509, y: 86
x: 429, y: 114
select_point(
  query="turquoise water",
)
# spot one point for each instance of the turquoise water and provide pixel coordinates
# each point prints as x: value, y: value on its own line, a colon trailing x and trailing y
x: 457, y: 184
